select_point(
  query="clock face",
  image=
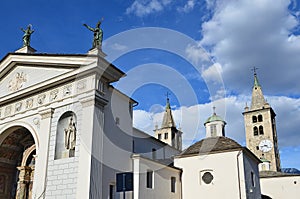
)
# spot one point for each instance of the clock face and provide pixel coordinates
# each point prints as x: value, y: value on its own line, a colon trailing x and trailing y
x: 265, y: 145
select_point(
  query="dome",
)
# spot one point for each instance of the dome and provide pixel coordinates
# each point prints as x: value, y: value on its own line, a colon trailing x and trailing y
x: 214, y: 118
x: 212, y: 145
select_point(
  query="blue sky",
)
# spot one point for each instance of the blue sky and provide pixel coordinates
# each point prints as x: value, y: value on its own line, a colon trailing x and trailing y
x: 202, y: 52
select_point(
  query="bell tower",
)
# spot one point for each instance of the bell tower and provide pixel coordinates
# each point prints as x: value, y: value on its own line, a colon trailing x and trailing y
x: 168, y: 132
x: 260, y: 128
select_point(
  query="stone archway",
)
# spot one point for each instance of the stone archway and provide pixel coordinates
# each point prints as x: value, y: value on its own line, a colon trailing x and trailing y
x: 17, y: 160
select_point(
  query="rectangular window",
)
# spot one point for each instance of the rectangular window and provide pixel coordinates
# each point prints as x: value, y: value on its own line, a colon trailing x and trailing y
x: 166, y: 136
x: 153, y: 154
x: 173, y: 184
x: 159, y: 136
x: 213, y: 130
x: 149, y: 179
x: 111, y: 191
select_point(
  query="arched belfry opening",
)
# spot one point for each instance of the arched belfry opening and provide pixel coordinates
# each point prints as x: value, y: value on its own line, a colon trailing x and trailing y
x: 17, y: 163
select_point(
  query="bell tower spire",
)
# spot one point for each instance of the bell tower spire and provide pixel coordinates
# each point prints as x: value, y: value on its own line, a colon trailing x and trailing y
x: 258, y: 100
x: 260, y: 128
x: 168, y: 132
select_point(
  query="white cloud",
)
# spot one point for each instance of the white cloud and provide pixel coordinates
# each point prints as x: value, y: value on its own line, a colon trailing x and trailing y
x: 191, y: 119
x: 243, y: 34
x: 213, y: 73
x: 196, y: 54
x: 189, y: 6
x: 145, y: 7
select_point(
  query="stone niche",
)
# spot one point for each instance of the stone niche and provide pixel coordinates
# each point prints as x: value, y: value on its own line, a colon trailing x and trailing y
x: 66, y: 136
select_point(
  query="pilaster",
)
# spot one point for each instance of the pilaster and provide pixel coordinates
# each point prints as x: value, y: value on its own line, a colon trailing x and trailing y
x: 41, y: 167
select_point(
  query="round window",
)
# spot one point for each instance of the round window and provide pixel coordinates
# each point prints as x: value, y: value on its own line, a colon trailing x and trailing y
x: 207, y: 177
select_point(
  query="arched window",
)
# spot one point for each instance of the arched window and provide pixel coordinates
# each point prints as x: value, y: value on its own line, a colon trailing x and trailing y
x: 260, y: 118
x: 255, y: 130
x: 254, y: 119
x: 261, y: 130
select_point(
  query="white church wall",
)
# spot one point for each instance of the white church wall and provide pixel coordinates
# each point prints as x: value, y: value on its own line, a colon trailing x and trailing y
x: 281, y: 187
x: 227, y: 179
x: 161, y: 179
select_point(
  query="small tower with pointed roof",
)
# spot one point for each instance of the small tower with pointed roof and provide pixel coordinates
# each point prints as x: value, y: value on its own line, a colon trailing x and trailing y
x: 168, y: 132
x: 260, y: 128
x: 215, y: 125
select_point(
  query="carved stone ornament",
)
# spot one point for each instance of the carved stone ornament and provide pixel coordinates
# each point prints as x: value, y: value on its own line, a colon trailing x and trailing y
x: 7, y: 111
x: 17, y: 82
x: 18, y: 106
x: 29, y: 103
x: 67, y: 90
x: 53, y: 95
x: 81, y: 85
x: 41, y: 99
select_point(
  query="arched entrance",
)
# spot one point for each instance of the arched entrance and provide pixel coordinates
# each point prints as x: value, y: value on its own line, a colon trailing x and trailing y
x: 17, y: 160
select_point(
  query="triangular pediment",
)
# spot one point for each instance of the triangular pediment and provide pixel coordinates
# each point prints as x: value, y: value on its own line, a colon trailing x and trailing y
x: 19, y: 71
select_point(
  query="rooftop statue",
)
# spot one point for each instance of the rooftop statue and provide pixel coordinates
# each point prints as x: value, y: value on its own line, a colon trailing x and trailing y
x: 27, y: 35
x: 98, y: 34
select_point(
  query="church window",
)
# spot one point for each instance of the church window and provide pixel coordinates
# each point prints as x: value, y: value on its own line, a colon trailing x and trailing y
x: 261, y: 130
x: 254, y: 119
x: 252, y: 179
x: 213, y: 130
x: 260, y: 118
x: 207, y: 177
x: 153, y: 153
x: 255, y: 130
x: 149, y: 179
x: 257, y: 147
x: 166, y: 136
x: 159, y: 136
x: 173, y: 184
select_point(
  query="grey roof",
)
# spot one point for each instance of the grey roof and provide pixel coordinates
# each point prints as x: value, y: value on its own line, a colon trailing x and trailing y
x: 212, y: 145
x: 270, y: 174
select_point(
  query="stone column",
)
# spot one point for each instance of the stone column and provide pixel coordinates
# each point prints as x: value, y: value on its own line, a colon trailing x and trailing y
x: 42, y: 154
x: 24, y: 180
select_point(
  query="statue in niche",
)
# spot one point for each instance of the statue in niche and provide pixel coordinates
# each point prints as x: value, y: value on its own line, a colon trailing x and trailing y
x: 27, y: 35
x: 98, y: 34
x: 70, y: 135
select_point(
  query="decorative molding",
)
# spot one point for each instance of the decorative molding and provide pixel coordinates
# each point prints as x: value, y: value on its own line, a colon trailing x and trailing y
x: 18, y: 106
x: 53, y: 95
x: 46, y: 98
x: 47, y: 113
x: 29, y: 103
x: 41, y: 99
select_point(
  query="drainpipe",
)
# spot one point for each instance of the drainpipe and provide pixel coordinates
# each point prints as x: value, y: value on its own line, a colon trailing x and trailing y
x: 238, y: 172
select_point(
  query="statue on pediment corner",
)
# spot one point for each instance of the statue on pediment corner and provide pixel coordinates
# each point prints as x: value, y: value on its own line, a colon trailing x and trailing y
x: 27, y: 34
x: 98, y: 34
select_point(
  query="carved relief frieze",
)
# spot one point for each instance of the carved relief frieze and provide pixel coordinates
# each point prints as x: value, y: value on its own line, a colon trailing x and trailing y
x: 7, y: 111
x: 17, y: 82
x: 53, y: 95
x: 41, y: 99
x: 67, y: 90
x: 18, y: 106
x: 81, y: 85
x: 29, y: 103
